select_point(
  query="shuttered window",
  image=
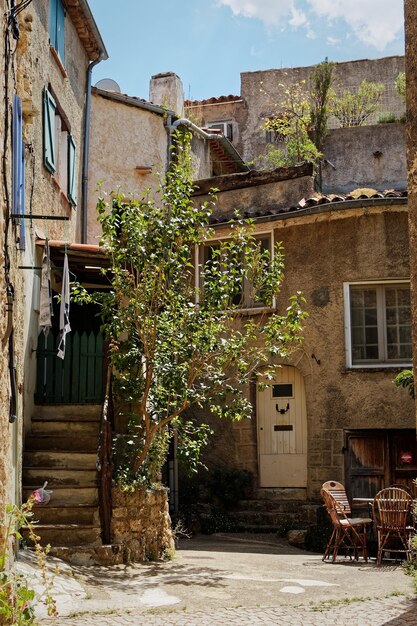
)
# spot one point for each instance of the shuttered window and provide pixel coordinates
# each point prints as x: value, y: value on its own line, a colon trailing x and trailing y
x: 57, y: 27
x: 49, y: 140
x: 18, y: 165
x: 72, y: 179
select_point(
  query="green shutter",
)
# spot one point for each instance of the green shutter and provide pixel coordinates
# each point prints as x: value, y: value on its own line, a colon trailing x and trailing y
x: 49, y: 148
x: 72, y: 178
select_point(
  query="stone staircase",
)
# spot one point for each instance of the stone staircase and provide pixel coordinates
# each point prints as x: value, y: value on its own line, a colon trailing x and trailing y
x: 61, y: 448
x: 276, y: 510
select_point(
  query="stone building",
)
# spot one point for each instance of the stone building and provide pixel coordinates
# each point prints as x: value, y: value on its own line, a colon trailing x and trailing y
x: 48, y: 49
x: 242, y: 119
x: 333, y: 411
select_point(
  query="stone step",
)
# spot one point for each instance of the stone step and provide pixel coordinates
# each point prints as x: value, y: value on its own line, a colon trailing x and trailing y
x: 73, y: 495
x: 90, y: 555
x: 270, y: 505
x: 66, y: 514
x: 299, y: 516
x: 68, y: 534
x: 46, y: 441
x: 283, y: 493
x: 68, y: 411
x: 59, y: 476
x: 63, y: 459
x: 65, y: 427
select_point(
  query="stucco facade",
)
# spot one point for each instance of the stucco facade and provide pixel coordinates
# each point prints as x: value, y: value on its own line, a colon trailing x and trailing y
x: 327, y: 248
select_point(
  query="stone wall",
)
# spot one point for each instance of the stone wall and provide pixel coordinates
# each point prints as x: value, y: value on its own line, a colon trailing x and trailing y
x: 141, y: 524
x: 263, y: 93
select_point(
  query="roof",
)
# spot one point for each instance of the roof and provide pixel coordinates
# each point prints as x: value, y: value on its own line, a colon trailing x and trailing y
x: 85, y: 261
x: 85, y: 24
x: 218, y: 100
x: 320, y: 203
x: 132, y: 101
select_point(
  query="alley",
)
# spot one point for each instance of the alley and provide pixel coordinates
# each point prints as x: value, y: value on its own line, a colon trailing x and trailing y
x: 220, y: 580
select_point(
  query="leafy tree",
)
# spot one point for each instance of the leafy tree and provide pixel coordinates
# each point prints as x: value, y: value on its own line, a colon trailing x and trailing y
x: 174, y: 345
x: 354, y: 108
x: 405, y: 379
x: 301, y: 119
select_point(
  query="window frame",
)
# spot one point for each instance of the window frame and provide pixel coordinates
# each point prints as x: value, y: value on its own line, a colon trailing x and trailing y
x: 199, y: 262
x: 224, y: 125
x: 382, y: 362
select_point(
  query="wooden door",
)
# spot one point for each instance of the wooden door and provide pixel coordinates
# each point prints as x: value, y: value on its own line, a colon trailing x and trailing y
x: 282, y: 431
x: 375, y: 459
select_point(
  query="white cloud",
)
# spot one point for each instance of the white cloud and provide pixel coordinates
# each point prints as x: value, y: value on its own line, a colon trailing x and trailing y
x: 271, y: 12
x: 374, y: 22
x: 332, y: 41
x: 299, y: 18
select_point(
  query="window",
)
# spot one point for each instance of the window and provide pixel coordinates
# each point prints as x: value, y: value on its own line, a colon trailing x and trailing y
x: 59, y: 147
x: 225, y: 127
x: 18, y: 168
x: 275, y: 129
x: 378, y: 324
x: 57, y: 28
x: 245, y: 298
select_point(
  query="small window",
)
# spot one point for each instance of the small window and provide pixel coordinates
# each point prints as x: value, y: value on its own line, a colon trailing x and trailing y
x: 57, y: 28
x: 225, y: 127
x: 379, y: 324
x: 59, y: 148
x: 282, y: 390
x: 274, y: 129
x: 245, y: 297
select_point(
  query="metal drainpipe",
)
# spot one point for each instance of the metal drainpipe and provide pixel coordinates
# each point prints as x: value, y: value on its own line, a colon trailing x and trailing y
x: 84, y: 198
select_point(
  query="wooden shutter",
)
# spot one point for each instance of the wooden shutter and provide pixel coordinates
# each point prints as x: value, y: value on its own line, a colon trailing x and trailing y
x: 72, y: 179
x: 49, y: 147
x: 18, y: 167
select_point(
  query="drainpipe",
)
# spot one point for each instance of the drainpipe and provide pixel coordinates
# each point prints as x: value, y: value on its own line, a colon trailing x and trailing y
x: 219, y: 138
x: 84, y: 196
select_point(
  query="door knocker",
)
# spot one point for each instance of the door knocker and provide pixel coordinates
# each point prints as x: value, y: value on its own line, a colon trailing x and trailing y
x: 283, y: 411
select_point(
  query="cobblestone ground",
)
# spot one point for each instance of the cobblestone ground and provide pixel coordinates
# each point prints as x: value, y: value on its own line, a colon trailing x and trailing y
x: 395, y: 611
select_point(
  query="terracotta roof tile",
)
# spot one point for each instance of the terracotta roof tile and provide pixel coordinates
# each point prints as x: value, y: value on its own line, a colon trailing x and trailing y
x: 218, y: 100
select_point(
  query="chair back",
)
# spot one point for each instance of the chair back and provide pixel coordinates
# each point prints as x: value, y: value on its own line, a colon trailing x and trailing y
x: 334, y: 509
x: 338, y: 492
x: 392, y: 508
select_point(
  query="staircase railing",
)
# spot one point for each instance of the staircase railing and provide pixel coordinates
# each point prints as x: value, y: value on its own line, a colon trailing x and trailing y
x: 105, y: 460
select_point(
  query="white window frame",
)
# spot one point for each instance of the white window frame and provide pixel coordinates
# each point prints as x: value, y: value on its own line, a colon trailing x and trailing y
x: 197, y: 257
x: 224, y: 124
x: 381, y: 324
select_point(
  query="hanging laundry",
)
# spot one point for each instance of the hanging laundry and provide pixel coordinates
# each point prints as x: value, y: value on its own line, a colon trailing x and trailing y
x: 64, y: 323
x: 45, y: 306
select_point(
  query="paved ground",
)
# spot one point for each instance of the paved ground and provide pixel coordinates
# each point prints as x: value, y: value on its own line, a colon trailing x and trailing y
x: 222, y: 581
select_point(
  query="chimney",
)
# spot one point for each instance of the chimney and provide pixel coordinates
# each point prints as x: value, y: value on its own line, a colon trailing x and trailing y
x: 166, y: 90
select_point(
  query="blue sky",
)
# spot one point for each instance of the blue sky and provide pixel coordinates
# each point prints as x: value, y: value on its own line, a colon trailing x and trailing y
x: 209, y: 42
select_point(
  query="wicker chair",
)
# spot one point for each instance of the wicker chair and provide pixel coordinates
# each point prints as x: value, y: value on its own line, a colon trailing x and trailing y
x: 338, y: 492
x: 348, y: 532
x: 392, y: 511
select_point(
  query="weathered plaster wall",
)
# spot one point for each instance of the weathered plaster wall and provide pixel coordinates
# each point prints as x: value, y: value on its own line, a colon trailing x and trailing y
x: 410, y: 8
x: 32, y: 68
x: 122, y: 138
x: 142, y: 525
x: 366, y: 156
x: 263, y: 94
x: 322, y: 252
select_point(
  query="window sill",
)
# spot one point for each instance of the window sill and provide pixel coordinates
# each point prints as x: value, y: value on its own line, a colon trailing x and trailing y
x: 378, y: 367
x: 58, y: 61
